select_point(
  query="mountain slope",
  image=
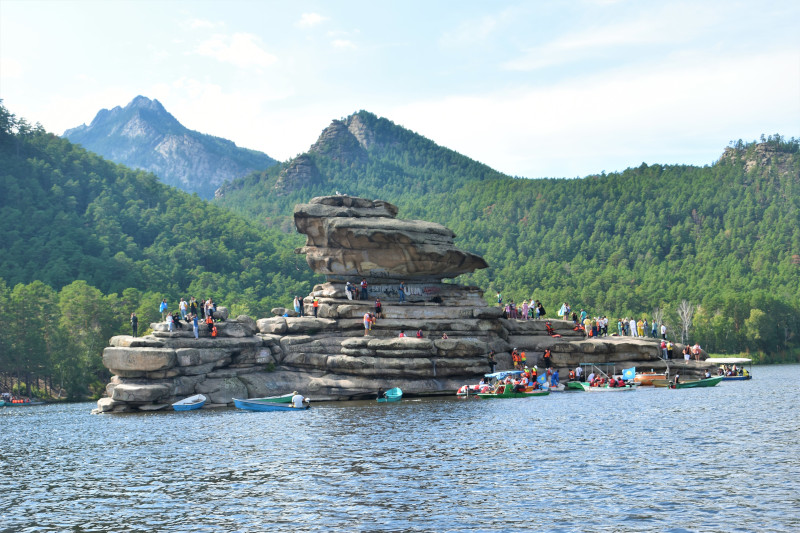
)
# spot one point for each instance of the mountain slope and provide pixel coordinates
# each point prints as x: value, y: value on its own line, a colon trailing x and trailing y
x: 69, y: 214
x: 144, y: 135
x: 725, y: 237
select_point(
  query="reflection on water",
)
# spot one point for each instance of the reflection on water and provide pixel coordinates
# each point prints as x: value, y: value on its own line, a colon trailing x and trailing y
x: 719, y: 459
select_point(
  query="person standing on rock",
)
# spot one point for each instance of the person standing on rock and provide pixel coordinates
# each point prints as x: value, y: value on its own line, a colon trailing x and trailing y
x: 378, y: 308
x: 367, y: 323
x: 135, y: 324
x: 163, y: 309
x: 170, y: 321
x: 192, y: 306
x: 297, y: 305
x: 492, y: 362
x: 663, y: 331
x: 315, y: 305
x: 563, y: 310
x: 401, y: 292
x: 183, y: 307
x: 364, y: 289
x: 195, y: 326
x: 348, y: 291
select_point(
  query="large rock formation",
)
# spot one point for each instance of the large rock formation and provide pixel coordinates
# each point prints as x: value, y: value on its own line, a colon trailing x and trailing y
x: 329, y: 357
x: 352, y: 237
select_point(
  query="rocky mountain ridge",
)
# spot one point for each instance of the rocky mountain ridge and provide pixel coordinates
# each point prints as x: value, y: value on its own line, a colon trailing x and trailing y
x: 144, y: 135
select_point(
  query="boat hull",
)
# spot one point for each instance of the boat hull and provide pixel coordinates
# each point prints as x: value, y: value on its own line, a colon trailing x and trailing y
x: 507, y: 391
x: 257, y: 404
x: 736, y: 378
x: 710, y: 382
x: 575, y: 385
x: 646, y: 379
x: 191, y: 403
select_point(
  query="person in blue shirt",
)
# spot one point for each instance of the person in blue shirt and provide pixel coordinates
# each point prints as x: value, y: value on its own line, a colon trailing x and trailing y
x: 163, y: 309
x: 401, y: 292
x: 195, y: 326
x: 554, y: 379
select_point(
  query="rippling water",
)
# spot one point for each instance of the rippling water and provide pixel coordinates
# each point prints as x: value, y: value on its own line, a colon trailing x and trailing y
x: 719, y: 459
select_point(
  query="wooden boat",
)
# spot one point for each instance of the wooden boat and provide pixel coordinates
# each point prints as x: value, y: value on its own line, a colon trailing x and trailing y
x: 708, y: 382
x: 392, y: 395
x: 663, y: 383
x: 190, y: 404
x: 646, y: 379
x: 507, y: 391
x: 265, y: 404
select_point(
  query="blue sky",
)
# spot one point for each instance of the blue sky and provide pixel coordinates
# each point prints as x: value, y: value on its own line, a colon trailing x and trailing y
x: 533, y: 89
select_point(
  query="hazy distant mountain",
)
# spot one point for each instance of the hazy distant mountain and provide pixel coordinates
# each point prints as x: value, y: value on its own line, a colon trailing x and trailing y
x: 144, y: 135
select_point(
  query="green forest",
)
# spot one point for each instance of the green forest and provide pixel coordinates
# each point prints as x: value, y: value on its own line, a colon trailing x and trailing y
x: 88, y: 241
x: 724, y: 237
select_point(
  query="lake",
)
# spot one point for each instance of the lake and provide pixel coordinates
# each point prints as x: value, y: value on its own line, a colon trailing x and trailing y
x: 725, y: 458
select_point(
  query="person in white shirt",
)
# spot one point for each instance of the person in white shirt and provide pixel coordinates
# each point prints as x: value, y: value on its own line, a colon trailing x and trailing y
x: 578, y: 373
x: 590, y: 378
x: 297, y: 400
x: 663, y: 332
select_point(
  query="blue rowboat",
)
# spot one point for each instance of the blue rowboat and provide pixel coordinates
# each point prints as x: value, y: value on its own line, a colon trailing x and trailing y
x: 392, y: 395
x: 263, y: 404
x: 190, y: 404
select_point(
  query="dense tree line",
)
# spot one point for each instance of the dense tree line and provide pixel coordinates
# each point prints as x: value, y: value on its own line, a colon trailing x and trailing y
x: 724, y: 237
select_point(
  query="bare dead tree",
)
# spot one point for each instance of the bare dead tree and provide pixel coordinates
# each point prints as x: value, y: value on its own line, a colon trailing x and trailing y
x: 685, y: 313
x: 658, y: 315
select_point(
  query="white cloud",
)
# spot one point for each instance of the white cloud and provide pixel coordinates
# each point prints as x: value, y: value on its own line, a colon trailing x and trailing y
x: 243, y: 50
x: 309, y: 20
x: 471, y: 31
x: 684, y: 111
x: 671, y: 25
x: 343, y: 44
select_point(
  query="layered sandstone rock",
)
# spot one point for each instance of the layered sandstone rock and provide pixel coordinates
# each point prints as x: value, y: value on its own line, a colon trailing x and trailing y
x: 351, y: 238
x: 330, y: 357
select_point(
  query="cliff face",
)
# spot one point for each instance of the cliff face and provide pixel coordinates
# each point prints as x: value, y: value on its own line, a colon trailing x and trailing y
x: 144, y: 135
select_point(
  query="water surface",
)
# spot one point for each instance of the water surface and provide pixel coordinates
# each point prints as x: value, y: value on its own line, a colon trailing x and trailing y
x: 719, y: 459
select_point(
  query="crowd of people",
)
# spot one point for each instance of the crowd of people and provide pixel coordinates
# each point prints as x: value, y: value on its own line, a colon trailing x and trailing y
x: 189, y: 313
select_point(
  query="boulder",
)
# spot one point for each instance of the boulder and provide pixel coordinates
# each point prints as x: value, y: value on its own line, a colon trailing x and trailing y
x: 221, y: 313
x: 222, y: 390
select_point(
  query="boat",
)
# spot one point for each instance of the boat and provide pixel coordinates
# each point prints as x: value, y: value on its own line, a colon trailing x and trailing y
x: 576, y: 385
x: 190, y: 404
x: 663, y: 383
x: 283, y: 398
x: 647, y: 379
x: 265, y: 404
x: 506, y: 390
x: 392, y: 395
x: 707, y: 382
x: 23, y: 402
x: 606, y: 388
x: 746, y: 375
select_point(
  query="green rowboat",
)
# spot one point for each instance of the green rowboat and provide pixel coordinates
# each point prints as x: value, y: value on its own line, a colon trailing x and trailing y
x: 708, y: 382
x: 507, y: 391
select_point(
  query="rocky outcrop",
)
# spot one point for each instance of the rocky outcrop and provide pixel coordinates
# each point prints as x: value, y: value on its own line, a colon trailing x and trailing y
x: 350, y: 238
x: 330, y: 357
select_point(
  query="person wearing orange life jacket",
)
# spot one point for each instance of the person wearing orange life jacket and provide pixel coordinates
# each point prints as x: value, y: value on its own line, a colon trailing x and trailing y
x: 572, y: 375
x: 515, y: 358
x: 214, y: 331
x: 547, y: 358
x: 315, y: 305
x: 523, y: 360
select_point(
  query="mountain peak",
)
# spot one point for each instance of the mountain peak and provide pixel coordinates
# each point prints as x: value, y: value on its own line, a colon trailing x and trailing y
x: 145, y: 135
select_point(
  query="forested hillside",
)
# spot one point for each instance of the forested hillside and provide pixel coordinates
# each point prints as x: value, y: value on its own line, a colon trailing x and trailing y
x: 143, y: 135
x: 86, y: 242
x: 725, y: 238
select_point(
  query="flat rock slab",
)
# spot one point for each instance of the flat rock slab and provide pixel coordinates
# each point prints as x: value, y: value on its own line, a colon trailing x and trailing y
x: 138, y: 359
x: 132, y: 393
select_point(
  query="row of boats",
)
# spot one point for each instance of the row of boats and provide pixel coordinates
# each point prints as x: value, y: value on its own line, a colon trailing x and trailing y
x: 273, y: 403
